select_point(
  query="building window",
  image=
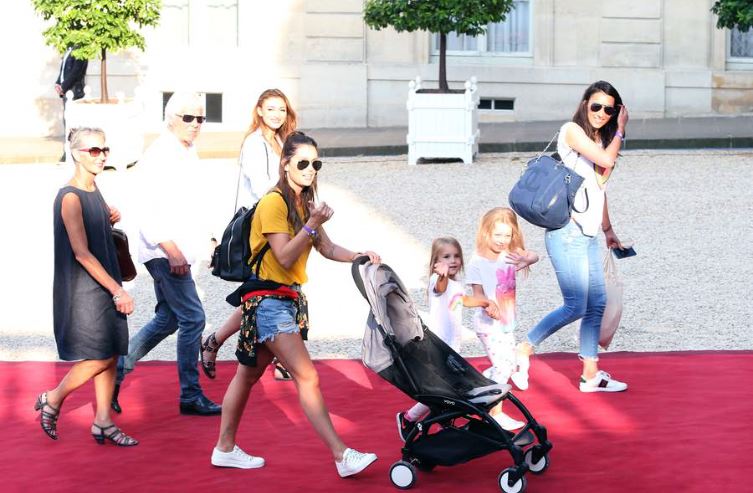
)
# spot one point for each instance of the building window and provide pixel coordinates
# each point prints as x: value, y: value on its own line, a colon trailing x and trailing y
x: 512, y: 36
x: 198, y: 23
x: 498, y: 104
x: 214, y: 107
x: 741, y: 44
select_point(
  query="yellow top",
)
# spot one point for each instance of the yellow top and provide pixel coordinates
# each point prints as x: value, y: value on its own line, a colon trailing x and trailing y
x: 271, y: 216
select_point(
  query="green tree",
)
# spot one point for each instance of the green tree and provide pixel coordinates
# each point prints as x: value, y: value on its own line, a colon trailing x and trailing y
x: 734, y: 14
x: 94, y: 27
x: 468, y: 17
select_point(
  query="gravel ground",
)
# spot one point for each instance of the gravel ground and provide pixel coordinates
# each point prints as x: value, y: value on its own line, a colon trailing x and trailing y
x: 688, y: 213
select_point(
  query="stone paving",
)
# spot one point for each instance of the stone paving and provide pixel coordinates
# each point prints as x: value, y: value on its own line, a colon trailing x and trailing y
x: 687, y: 211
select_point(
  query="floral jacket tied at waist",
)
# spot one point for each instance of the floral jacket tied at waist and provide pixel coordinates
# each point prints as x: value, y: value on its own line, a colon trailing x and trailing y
x: 247, y: 339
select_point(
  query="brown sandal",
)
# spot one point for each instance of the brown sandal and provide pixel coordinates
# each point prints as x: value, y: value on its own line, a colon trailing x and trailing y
x: 210, y: 347
x: 49, y: 420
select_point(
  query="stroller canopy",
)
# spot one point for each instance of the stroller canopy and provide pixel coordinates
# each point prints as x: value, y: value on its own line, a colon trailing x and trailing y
x: 391, y: 308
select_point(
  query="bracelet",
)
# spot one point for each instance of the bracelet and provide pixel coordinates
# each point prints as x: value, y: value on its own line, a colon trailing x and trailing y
x: 606, y: 229
x: 116, y: 298
x: 620, y: 135
x: 309, y: 231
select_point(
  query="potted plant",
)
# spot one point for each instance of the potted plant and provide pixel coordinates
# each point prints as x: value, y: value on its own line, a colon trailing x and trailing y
x: 94, y: 28
x: 441, y: 122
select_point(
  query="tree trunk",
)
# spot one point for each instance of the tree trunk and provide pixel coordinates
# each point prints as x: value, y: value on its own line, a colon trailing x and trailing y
x: 104, y: 96
x: 443, y: 87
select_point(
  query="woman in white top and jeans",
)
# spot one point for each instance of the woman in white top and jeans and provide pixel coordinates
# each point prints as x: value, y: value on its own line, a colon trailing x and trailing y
x: 589, y: 144
x: 272, y: 121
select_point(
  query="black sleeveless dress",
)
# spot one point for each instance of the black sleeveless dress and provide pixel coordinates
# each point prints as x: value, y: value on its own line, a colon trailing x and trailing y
x: 87, y: 325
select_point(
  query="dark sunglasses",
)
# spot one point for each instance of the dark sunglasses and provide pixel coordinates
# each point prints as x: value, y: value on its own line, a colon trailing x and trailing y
x: 189, y: 118
x: 95, y: 151
x: 303, y: 164
x: 609, y: 110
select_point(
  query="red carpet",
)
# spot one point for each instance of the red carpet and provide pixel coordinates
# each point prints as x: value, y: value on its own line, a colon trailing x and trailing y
x: 683, y: 426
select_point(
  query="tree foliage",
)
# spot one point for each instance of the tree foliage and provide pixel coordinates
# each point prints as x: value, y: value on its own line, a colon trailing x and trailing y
x: 734, y: 14
x: 95, y: 27
x: 468, y: 17
x: 437, y: 16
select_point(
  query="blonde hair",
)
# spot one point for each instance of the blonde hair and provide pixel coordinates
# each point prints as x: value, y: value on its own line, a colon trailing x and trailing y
x: 486, y: 226
x: 76, y: 135
x: 291, y: 120
x: 437, y: 244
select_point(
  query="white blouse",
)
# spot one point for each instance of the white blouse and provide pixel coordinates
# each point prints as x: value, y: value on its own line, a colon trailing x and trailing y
x: 590, y: 197
x: 260, y: 169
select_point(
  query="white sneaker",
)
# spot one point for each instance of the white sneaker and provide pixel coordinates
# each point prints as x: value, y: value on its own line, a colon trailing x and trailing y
x: 236, y: 458
x: 354, y: 462
x: 601, y: 382
x: 520, y: 380
x: 508, y: 423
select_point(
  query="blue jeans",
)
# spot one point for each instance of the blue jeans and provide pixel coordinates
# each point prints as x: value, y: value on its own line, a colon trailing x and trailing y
x: 178, y: 308
x: 576, y: 259
x: 275, y: 317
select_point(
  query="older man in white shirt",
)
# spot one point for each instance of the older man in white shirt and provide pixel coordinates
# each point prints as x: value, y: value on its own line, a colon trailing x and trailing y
x: 171, y: 241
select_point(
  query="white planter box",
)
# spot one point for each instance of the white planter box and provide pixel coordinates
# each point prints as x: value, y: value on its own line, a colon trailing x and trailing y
x: 443, y: 125
x: 121, y: 121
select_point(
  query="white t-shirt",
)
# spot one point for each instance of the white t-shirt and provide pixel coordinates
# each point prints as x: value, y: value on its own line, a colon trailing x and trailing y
x: 590, y: 219
x: 260, y: 169
x: 497, y: 279
x: 446, y: 312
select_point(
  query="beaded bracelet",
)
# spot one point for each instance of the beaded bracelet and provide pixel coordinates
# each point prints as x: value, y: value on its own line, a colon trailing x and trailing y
x: 309, y: 231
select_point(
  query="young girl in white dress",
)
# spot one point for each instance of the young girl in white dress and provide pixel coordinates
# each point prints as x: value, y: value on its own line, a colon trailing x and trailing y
x: 446, y: 301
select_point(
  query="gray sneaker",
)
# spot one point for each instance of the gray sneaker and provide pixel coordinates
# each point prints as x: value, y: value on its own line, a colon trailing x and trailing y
x: 236, y: 458
x: 354, y: 462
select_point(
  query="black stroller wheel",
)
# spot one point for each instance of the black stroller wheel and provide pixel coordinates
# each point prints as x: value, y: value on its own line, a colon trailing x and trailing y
x: 518, y: 487
x: 403, y: 475
x: 536, y: 466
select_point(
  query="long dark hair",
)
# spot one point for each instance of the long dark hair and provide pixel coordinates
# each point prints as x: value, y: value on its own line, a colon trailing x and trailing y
x: 606, y: 133
x: 292, y: 143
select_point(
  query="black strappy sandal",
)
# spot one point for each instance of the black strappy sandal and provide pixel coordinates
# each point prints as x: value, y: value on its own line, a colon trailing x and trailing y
x: 116, y: 436
x: 48, y: 420
x: 210, y: 346
x: 281, y: 373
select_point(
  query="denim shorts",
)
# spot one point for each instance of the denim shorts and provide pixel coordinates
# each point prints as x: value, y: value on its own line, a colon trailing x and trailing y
x: 275, y: 316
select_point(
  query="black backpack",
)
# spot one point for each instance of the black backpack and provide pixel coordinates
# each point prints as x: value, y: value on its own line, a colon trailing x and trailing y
x: 231, y: 259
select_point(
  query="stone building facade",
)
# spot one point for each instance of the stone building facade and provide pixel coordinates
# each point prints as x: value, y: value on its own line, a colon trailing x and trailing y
x: 665, y: 56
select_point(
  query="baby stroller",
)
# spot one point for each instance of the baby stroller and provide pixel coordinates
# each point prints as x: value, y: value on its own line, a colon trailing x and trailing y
x: 458, y: 428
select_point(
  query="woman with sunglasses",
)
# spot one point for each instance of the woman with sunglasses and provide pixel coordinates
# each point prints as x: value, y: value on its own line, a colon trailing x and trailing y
x: 273, y: 119
x: 287, y: 224
x: 589, y: 144
x: 89, y: 303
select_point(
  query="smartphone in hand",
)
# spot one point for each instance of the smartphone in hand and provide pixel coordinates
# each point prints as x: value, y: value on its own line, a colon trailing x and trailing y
x: 624, y: 252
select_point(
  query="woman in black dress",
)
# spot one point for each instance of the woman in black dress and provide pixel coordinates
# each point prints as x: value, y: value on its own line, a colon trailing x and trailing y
x: 89, y: 303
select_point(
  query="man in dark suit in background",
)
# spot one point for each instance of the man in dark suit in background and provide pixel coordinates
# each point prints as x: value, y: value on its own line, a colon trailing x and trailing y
x: 70, y: 78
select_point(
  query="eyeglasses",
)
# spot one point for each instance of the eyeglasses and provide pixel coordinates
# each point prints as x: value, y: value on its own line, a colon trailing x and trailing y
x: 95, y: 151
x: 190, y: 118
x: 609, y: 110
x: 304, y: 163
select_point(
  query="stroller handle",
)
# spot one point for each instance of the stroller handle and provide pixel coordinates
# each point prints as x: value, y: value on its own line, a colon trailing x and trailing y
x: 358, y: 262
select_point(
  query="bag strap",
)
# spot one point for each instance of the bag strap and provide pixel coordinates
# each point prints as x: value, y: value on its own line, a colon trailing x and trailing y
x: 548, y: 145
x: 266, y: 154
x: 238, y: 183
x: 259, y: 256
